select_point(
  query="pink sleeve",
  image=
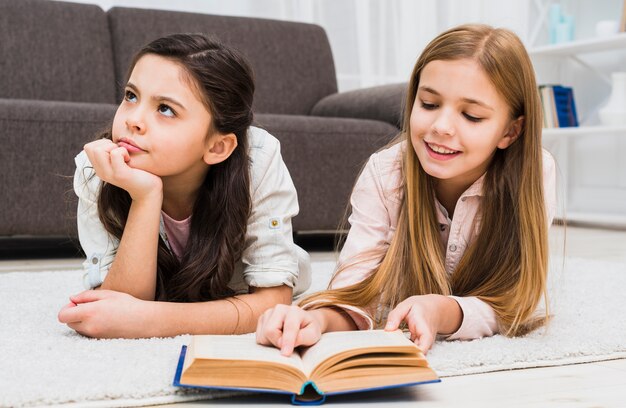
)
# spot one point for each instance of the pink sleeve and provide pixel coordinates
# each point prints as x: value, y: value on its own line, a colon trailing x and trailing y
x: 361, y: 317
x: 370, y: 228
x: 479, y: 319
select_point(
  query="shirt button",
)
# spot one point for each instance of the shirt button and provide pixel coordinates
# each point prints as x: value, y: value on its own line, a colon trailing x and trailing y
x: 452, y: 248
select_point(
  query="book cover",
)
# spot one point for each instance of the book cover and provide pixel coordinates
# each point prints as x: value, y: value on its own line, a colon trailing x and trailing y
x: 558, y: 106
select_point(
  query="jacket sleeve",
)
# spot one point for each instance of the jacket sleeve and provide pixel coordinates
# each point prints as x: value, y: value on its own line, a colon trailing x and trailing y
x: 270, y: 256
x: 99, y: 246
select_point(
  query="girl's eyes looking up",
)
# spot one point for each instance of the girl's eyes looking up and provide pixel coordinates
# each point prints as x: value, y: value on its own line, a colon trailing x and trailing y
x: 130, y: 96
x: 163, y: 109
x: 166, y: 110
x: 432, y: 106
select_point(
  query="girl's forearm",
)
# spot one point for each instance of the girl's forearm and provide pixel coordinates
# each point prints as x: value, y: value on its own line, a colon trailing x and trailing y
x: 234, y: 315
x: 333, y: 319
x: 134, y: 269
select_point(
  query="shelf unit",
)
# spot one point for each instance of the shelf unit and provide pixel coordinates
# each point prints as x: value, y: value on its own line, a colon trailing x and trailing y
x: 578, y: 150
x: 574, y: 48
x: 584, y: 130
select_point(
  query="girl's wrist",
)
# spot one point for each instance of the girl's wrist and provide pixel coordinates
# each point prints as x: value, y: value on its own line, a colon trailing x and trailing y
x: 321, y: 318
x: 450, y: 315
x: 151, y: 322
x: 149, y: 187
x: 154, y: 196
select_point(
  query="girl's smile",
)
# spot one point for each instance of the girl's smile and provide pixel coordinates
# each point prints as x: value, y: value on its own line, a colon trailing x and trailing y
x: 439, y: 152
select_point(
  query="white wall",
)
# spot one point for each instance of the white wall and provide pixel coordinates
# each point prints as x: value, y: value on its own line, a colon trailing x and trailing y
x: 377, y: 41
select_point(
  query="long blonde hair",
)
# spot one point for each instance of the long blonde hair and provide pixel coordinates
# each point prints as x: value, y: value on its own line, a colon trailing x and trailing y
x: 506, y: 266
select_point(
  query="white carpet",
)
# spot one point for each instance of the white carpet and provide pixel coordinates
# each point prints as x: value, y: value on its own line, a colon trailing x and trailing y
x: 46, y: 363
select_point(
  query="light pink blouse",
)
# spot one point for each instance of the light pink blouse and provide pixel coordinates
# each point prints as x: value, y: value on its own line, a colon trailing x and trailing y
x: 375, y: 210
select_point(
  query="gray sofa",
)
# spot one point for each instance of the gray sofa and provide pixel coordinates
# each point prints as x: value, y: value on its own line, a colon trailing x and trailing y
x: 62, y: 67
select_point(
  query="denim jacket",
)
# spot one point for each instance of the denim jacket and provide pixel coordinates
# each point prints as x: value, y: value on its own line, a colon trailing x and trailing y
x: 270, y: 257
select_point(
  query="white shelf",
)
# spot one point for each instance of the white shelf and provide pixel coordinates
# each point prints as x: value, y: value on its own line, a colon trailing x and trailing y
x: 616, y: 42
x: 585, y: 130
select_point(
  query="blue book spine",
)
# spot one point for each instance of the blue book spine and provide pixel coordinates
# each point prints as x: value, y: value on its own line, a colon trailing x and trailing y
x: 565, y: 106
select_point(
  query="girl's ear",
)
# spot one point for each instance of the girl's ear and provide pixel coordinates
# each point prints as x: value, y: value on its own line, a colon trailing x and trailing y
x: 219, y: 148
x: 512, y: 133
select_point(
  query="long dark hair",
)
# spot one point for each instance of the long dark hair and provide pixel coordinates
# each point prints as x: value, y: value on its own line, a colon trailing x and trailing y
x: 223, y: 205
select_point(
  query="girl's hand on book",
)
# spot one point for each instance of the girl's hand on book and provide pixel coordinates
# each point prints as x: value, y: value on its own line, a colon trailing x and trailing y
x: 105, y: 314
x: 287, y: 327
x: 110, y: 163
x: 422, y: 315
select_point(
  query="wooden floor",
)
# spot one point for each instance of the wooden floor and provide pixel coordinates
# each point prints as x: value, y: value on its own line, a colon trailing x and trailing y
x: 601, y: 384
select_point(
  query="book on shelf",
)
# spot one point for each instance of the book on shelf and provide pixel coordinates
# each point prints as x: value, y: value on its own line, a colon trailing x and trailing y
x: 558, y: 106
x: 339, y: 363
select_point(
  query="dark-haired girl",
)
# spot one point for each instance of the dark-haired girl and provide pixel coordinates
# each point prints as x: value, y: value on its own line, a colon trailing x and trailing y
x: 184, y: 208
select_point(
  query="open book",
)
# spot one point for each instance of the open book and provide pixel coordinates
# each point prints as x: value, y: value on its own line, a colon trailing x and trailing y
x: 340, y: 362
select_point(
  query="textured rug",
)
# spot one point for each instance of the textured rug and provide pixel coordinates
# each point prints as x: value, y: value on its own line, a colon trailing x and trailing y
x: 45, y: 363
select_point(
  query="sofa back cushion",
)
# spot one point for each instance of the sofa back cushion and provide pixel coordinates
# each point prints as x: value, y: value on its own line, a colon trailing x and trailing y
x: 55, y: 51
x: 40, y: 140
x: 292, y: 62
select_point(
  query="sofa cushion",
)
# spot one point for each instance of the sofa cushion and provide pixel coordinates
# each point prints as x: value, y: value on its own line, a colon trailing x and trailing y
x: 324, y: 157
x: 37, y: 165
x: 385, y: 103
x: 292, y: 62
x: 55, y: 51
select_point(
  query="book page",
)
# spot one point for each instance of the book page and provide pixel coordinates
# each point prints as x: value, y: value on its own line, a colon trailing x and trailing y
x: 239, y: 348
x: 333, y: 343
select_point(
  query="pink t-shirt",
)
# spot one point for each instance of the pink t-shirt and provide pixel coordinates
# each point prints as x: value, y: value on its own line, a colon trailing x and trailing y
x: 375, y: 210
x: 177, y: 233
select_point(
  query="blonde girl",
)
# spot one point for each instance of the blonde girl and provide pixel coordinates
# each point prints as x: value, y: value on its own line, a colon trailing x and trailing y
x: 184, y: 209
x: 449, y: 225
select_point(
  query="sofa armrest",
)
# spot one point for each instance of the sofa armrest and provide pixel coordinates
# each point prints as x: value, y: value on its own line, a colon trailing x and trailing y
x: 384, y: 103
x: 314, y: 150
